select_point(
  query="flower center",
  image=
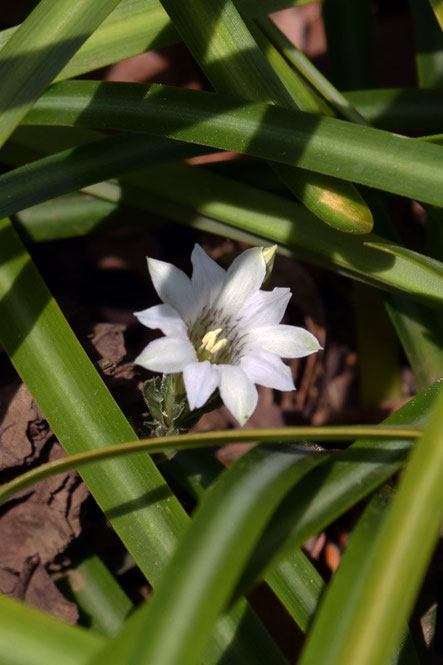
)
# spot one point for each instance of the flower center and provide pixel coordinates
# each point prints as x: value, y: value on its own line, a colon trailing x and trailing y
x: 210, y: 345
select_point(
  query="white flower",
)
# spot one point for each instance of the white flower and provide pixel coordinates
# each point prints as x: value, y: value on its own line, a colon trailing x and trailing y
x: 222, y: 331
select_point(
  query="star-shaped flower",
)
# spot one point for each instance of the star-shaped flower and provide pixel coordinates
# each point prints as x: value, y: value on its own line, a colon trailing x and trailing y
x: 222, y: 331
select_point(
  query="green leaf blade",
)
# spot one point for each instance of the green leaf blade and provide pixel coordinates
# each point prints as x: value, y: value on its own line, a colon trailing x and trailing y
x: 328, y: 146
x: 198, y: 582
x: 37, y: 51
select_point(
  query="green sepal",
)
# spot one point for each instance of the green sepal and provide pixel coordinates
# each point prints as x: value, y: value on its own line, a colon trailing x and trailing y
x: 153, y: 397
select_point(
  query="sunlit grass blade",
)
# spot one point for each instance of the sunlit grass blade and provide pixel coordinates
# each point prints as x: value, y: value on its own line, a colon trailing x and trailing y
x: 420, y: 331
x: 201, y: 440
x: 103, y: 605
x: 304, y: 96
x: 84, y: 416
x: 398, y: 560
x: 295, y: 581
x: 428, y: 45
x: 38, y: 50
x: 437, y: 6
x: 233, y: 62
x: 136, y: 26
x: 70, y: 216
x: 328, y: 492
x: 306, y: 69
x: 31, y: 637
x: 378, y: 349
x: 266, y: 216
x: 200, y: 578
x: 77, y: 214
x: 334, y: 611
x: 417, y: 327
x: 82, y: 165
x: 326, y: 145
x: 432, y: 266
x: 379, y: 370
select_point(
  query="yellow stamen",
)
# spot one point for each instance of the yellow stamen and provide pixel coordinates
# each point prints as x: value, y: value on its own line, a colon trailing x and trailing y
x: 220, y: 345
x: 209, y: 341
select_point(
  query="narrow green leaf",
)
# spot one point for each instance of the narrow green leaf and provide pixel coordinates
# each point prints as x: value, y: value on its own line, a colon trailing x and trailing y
x: 233, y: 62
x: 31, y: 637
x: 397, y: 562
x: 39, y: 49
x: 378, y: 362
x: 84, y: 416
x: 305, y: 67
x: 100, y: 599
x: 295, y: 581
x: 420, y: 332
x: 338, y: 602
x: 304, y: 96
x: 378, y: 349
x: 253, y: 211
x: 432, y: 266
x: 437, y: 7
x: 78, y: 167
x: 136, y: 26
x: 298, y: 586
x: 199, y: 440
x: 70, y: 216
x: 331, y: 490
x: 264, y: 215
x: 326, y: 145
x: 201, y: 575
x: 428, y: 45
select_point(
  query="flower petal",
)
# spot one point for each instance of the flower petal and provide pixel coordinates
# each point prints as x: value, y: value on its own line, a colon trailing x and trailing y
x: 173, y: 287
x: 264, y: 308
x: 267, y: 369
x: 207, y: 276
x: 285, y: 341
x: 163, y: 317
x: 237, y: 392
x: 167, y: 354
x: 244, y: 276
x: 201, y: 379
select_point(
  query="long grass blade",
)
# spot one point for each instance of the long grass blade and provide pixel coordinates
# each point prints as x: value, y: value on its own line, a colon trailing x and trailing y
x: 103, y: 605
x: 234, y: 64
x: 437, y: 7
x: 331, y: 490
x: 38, y: 50
x: 77, y: 167
x: 201, y: 576
x: 31, y: 637
x: 295, y: 581
x: 397, y: 562
x: 133, y: 27
x: 326, y: 145
x: 428, y: 45
x: 334, y: 611
x: 417, y: 327
x: 266, y: 216
x: 185, y: 441
x: 309, y: 72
